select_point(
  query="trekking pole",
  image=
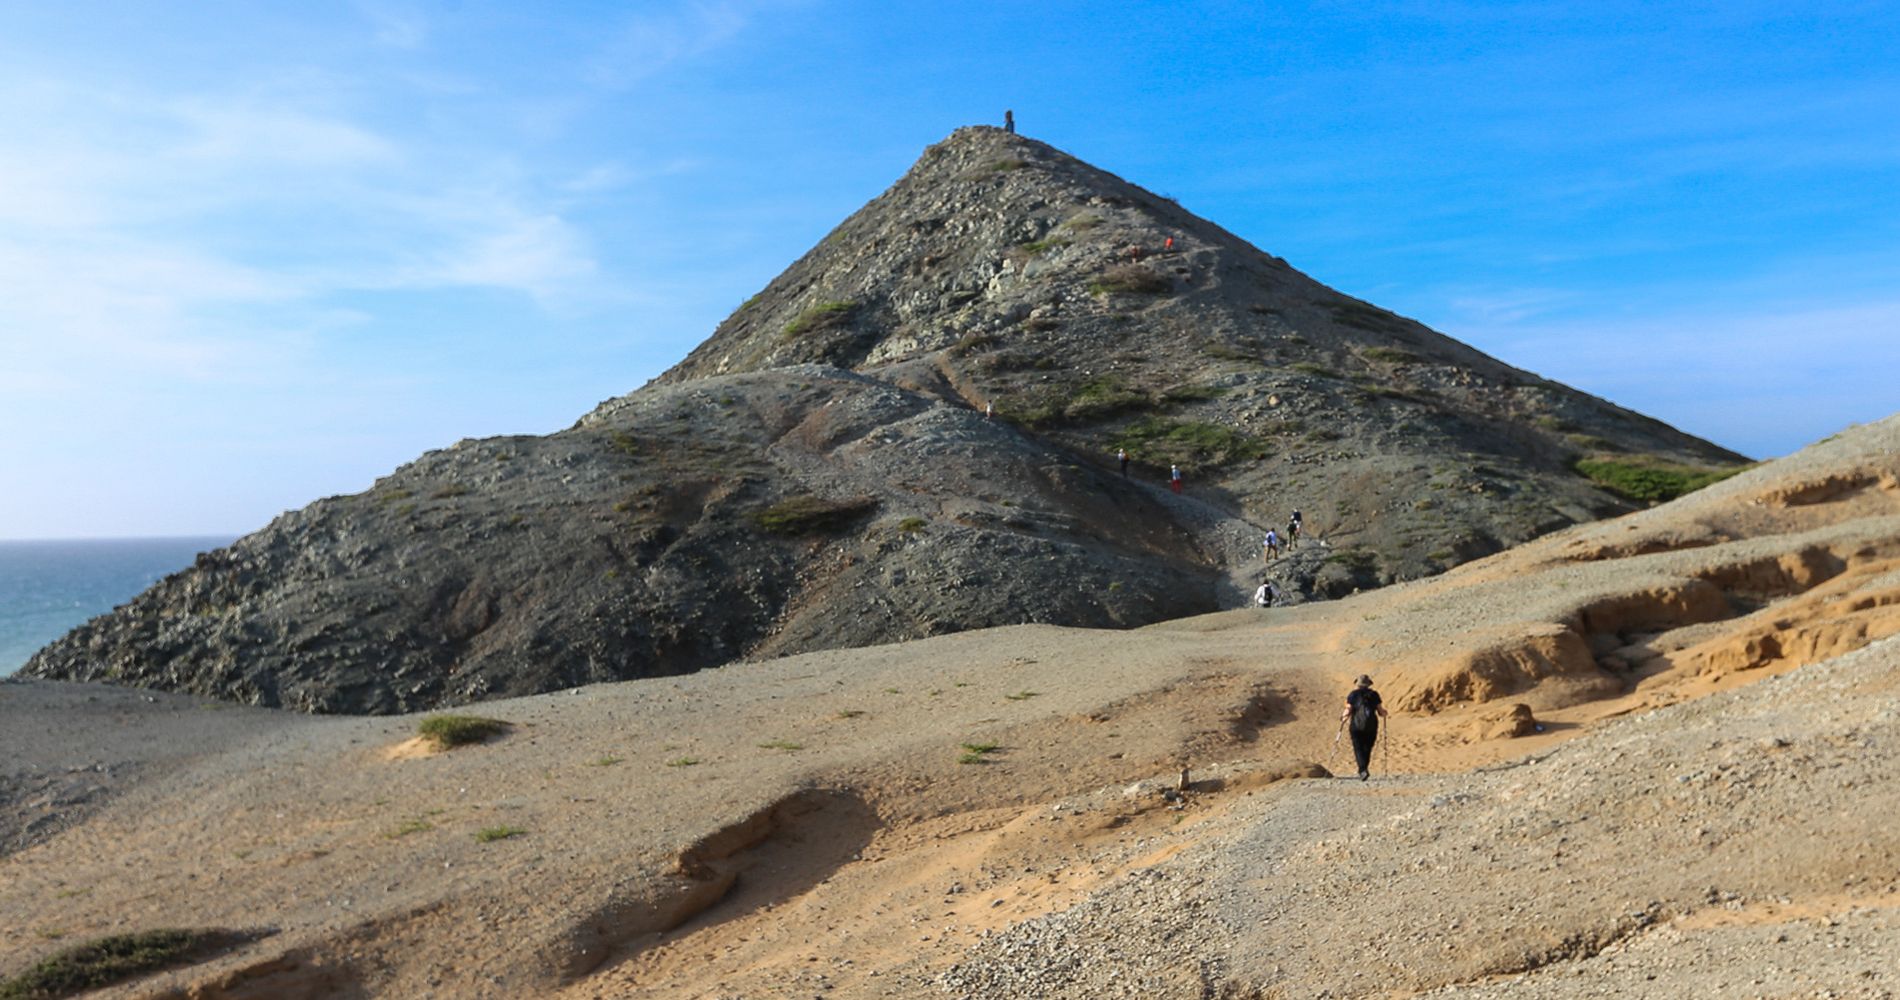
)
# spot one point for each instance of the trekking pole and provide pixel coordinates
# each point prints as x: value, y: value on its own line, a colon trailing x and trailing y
x: 1335, y: 753
x: 1388, y: 745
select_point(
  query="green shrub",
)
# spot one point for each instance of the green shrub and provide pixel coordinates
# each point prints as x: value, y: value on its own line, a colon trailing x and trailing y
x: 822, y: 316
x: 1390, y: 355
x: 1193, y: 393
x: 1192, y: 445
x: 974, y: 342
x: 911, y: 524
x: 1555, y: 423
x: 1644, y: 478
x: 447, y: 731
x: 1317, y: 371
x: 1040, y: 246
x: 1360, y: 316
x: 489, y: 834
x: 102, y: 962
x: 1082, y: 224
x: 1131, y: 279
x: 449, y: 492
x: 1357, y: 560
x: 806, y: 515
x: 1590, y: 442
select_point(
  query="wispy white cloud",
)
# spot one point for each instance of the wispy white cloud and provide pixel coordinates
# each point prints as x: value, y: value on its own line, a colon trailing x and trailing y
x: 652, y: 42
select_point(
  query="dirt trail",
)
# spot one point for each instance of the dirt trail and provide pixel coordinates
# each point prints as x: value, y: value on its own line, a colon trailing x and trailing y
x: 1003, y: 813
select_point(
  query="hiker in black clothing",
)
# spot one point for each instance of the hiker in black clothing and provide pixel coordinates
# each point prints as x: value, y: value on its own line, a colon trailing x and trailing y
x: 1009, y: 122
x: 1362, y: 715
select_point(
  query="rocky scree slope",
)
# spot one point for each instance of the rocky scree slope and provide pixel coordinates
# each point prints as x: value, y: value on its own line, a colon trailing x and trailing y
x: 820, y: 473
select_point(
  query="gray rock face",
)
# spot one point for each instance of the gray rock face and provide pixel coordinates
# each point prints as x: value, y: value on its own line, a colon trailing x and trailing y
x: 821, y: 472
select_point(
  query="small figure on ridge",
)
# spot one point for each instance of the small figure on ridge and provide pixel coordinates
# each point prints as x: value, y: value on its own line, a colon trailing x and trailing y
x: 1009, y: 122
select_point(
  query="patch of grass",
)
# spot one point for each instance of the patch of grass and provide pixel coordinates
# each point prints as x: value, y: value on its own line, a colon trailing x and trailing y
x: 392, y: 496
x: 1590, y: 442
x: 1357, y: 560
x: 1441, y: 555
x: 1317, y: 371
x: 102, y: 962
x: 1194, y: 393
x: 449, y: 731
x: 912, y: 524
x: 1645, y: 478
x: 1390, y: 356
x: 1225, y: 353
x: 1117, y: 585
x: 447, y: 492
x: 976, y: 753
x: 1192, y: 445
x: 490, y: 834
x: 603, y: 762
x: 1022, y: 695
x: 417, y: 825
x: 822, y: 316
x: 1036, y: 247
x: 682, y: 762
x: 1550, y: 423
x: 1082, y: 224
x: 850, y: 713
x: 1361, y: 316
x: 781, y: 745
x: 1131, y: 279
x: 806, y: 515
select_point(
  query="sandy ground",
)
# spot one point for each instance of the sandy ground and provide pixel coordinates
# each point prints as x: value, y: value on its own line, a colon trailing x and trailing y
x: 805, y: 826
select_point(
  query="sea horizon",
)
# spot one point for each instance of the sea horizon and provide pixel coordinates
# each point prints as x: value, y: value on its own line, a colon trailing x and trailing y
x: 48, y: 587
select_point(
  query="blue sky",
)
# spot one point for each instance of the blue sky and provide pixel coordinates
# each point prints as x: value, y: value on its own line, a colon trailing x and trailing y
x: 252, y: 254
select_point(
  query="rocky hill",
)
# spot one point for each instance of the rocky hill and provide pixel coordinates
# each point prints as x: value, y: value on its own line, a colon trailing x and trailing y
x: 824, y: 471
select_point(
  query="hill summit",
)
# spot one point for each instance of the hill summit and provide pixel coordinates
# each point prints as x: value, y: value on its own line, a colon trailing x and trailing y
x: 912, y: 431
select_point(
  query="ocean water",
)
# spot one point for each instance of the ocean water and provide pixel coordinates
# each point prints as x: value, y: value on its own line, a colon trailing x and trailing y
x: 46, y: 588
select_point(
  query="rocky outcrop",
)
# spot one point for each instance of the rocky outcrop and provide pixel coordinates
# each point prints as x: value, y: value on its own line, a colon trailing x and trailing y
x: 824, y: 471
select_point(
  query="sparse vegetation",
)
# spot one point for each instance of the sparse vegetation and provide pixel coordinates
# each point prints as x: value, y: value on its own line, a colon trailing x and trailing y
x: 1082, y: 224
x: 1131, y: 279
x: 1317, y: 371
x: 1390, y: 356
x: 1648, y: 479
x: 822, y: 316
x: 912, y: 524
x: 448, y: 492
x: 489, y: 834
x: 1005, y: 166
x: 976, y: 753
x: 974, y: 342
x: 1550, y: 423
x: 1161, y: 441
x: 417, y: 825
x: 682, y: 762
x: 850, y: 713
x: 603, y: 761
x: 1357, y: 560
x: 102, y: 962
x: 1022, y: 695
x: 392, y: 496
x: 1037, y: 247
x: 1590, y: 442
x: 449, y: 731
x: 1193, y: 393
x: 1360, y: 316
x: 807, y: 515
x: 781, y: 745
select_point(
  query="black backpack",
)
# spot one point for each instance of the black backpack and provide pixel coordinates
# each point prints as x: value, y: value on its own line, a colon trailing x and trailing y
x: 1365, y: 712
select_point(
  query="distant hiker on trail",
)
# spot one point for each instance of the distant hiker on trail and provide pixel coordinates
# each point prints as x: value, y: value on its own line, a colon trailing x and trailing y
x: 1361, y: 718
x: 1266, y: 595
x: 1293, y: 526
x: 1271, y: 547
x: 1168, y: 245
x: 1174, y: 478
x: 1009, y: 122
x: 1121, y: 455
x: 989, y: 409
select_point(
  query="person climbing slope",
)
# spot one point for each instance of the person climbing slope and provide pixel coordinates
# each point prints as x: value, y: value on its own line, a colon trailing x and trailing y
x: 1270, y: 547
x: 1361, y: 718
x: 1266, y: 595
x: 1174, y: 478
